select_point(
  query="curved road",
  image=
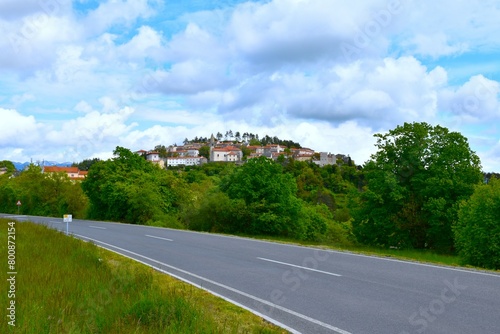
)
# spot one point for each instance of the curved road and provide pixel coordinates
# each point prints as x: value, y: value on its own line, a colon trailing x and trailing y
x: 306, y: 290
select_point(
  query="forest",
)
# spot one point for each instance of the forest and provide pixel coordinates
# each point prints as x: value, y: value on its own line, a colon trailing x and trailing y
x: 423, y: 188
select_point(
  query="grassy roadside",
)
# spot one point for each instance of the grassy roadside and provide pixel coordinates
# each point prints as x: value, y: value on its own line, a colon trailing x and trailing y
x: 64, y: 285
x: 421, y: 256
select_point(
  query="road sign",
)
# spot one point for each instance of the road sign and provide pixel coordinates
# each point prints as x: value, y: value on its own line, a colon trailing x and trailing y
x: 67, y: 220
x: 18, y: 203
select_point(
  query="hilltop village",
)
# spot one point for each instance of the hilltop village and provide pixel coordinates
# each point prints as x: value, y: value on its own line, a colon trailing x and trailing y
x: 195, y: 153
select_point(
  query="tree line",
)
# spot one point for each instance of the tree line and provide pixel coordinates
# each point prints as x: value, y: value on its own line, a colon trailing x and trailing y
x: 422, y: 189
x: 247, y: 137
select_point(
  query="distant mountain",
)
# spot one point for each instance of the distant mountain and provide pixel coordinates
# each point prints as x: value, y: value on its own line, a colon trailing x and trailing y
x: 22, y: 165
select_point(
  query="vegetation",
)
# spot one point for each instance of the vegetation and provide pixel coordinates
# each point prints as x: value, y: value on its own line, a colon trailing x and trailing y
x: 130, y: 189
x: 42, y: 194
x: 415, y: 183
x: 477, y: 232
x: 65, y: 285
x: 252, y: 139
x: 413, y: 194
x: 86, y: 164
x: 8, y: 165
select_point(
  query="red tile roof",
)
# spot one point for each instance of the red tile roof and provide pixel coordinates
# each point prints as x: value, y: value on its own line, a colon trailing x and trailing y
x: 55, y: 169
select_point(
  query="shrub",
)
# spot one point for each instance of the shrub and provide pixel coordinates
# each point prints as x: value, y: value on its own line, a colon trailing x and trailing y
x: 477, y: 232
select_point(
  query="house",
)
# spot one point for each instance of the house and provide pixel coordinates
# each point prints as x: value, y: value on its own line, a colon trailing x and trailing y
x: 3, y: 170
x: 141, y: 152
x: 193, y: 152
x: 73, y: 172
x: 154, y: 157
x: 273, y: 150
x: 258, y: 150
x: 185, y: 161
x: 326, y: 159
x: 302, y: 151
x: 224, y: 153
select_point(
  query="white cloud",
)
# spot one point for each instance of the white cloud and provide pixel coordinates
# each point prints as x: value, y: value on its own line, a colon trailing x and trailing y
x: 436, y: 45
x: 321, y: 72
x: 20, y: 99
x: 146, y: 44
x: 116, y: 12
x: 17, y: 130
x: 190, y: 77
x: 477, y: 99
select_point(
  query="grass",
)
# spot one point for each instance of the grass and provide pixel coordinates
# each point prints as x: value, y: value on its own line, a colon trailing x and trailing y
x: 425, y: 256
x: 65, y: 285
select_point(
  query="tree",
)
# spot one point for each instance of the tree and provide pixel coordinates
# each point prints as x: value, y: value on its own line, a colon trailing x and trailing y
x: 131, y: 189
x: 162, y: 151
x: 9, y: 165
x: 86, y: 164
x: 42, y: 194
x: 477, y: 232
x: 414, y: 184
x: 269, y: 195
x: 205, y: 151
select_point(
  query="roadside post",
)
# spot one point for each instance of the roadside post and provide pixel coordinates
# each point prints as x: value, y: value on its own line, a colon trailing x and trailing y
x: 18, y: 206
x: 67, y: 220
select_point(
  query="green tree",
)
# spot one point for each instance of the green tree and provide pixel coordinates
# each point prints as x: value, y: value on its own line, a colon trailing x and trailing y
x: 42, y: 194
x: 86, y: 164
x: 9, y: 165
x: 162, y: 150
x: 269, y: 195
x: 414, y: 184
x: 246, y: 151
x: 205, y: 151
x: 477, y: 232
x: 130, y: 189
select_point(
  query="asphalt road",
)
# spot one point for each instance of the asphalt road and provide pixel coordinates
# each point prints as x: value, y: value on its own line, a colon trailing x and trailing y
x: 307, y: 290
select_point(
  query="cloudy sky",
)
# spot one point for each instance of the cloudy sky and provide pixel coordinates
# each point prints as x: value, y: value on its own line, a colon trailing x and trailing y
x: 78, y: 78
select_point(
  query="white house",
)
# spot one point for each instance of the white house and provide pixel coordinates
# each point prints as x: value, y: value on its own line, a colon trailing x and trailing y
x: 185, y: 161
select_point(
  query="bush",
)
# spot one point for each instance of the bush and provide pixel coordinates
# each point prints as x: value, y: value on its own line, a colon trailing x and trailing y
x: 477, y: 232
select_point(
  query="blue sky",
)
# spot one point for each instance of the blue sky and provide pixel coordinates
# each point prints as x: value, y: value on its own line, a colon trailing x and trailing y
x: 78, y: 78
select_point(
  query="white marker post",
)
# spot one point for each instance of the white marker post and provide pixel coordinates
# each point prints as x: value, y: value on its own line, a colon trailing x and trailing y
x: 18, y: 206
x: 67, y: 220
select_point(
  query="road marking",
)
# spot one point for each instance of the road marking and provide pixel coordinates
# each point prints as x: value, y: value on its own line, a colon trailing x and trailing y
x: 152, y: 236
x: 281, y: 308
x: 55, y: 222
x: 296, y: 266
x: 101, y: 228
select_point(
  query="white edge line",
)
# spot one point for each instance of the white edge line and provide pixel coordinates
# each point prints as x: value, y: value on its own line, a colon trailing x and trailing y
x: 294, y: 265
x: 101, y: 228
x: 299, y: 315
x: 152, y: 236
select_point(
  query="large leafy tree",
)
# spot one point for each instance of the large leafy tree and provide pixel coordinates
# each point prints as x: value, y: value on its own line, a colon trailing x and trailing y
x: 9, y: 165
x: 129, y: 188
x: 477, y: 232
x: 414, y: 184
x: 86, y: 164
x: 269, y: 196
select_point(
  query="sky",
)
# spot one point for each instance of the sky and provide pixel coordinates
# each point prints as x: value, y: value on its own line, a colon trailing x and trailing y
x: 78, y: 78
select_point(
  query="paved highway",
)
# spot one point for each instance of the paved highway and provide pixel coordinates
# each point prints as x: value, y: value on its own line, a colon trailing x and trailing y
x: 307, y: 290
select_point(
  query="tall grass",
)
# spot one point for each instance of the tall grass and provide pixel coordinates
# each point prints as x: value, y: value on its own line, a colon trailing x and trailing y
x: 65, y: 285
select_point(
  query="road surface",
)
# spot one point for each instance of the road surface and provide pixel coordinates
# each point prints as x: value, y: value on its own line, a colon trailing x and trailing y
x: 307, y: 290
